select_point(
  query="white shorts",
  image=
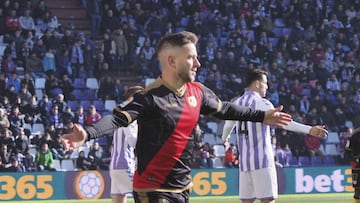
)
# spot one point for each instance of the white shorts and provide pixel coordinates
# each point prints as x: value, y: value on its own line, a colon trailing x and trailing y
x: 258, y: 184
x: 121, y: 182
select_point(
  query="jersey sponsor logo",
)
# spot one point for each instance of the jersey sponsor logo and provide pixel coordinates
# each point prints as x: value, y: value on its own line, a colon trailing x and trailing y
x: 192, y: 101
x: 171, y: 105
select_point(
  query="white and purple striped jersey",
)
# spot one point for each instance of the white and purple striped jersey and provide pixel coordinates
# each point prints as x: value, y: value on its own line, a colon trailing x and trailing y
x: 124, y: 141
x: 255, y: 149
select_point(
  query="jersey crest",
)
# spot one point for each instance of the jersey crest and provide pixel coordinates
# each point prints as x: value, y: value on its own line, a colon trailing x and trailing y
x: 192, y: 101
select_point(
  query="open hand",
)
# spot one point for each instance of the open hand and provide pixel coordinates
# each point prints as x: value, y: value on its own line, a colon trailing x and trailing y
x: 277, y: 118
x: 76, y: 138
x: 318, y: 131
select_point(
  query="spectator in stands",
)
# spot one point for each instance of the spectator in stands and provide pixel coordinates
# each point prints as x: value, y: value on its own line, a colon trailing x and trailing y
x: 109, y: 22
x: 8, y: 64
x: 28, y: 162
x: 10, y: 95
x: 120, y: 45
x: 15, y: 166
x: 49, y: 61
x: 283, y: 152
x: 32, y: 111
x: 207, y: 156
x: 51, y: 21
x: 29, y: 82
x: 297, y: 146
x: 108, y: 49
x: 95, y: 11
x: 92, y: 116
x: 23, y: 54
x: 95, y: 157
x: 45, y: 105
x: 21, y: 142
x: 24, y: 95
x: 106, y: 88
x: 81, y: 162
x: 16, y: 119
x: 5, y: 153
x: 313, y: 145
x: 27, y: 23
x: 80, y: 116
x: 14, y: 81
x: 119, y: 90
x: 34, y: 66
x: 52, y: 86
x: 54, y: 117
x: 60, y: 102
x: 89, y: 60
x: 333, y: 84
x: 230, y: 159
x: 12, y: 22
x: 39, y: 14
x: 68, y: 115
x: 4, y: 122
x: 76, y: 59
x: 67, y: 86
x: 39, y: 48
x: 44, y: 159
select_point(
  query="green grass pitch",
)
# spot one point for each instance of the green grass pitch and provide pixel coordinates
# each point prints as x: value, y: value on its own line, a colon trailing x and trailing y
x: 293, y: 198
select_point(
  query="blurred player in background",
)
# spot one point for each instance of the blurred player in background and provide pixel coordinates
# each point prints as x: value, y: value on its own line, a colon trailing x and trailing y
x: 256, y: 157
x: 353, y: 147
x: 122, y: 165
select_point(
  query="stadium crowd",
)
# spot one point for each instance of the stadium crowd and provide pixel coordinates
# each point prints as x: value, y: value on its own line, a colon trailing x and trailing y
x: 310, y: 48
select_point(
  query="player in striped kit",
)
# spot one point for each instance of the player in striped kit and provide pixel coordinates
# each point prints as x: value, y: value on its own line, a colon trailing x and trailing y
x: 256, y: 157
x: 122, y: 165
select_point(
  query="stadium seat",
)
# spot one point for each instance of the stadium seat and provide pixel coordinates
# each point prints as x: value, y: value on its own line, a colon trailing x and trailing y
x: 77, y: 93
x: 332, y: 149
x: 99, y: 105
x: 213, y: 126
x: 86, y: 104
x: 286, y: 31
x: 85, y: 149
x: 79, y: 83
x: 349, y: 124
x: 149, y: 81
x: 328, y: 160
x: 57, y: 164
x: 73, y: 104
x: 304, y: 161
x: 40, y: 83
x: 218, y: 163
x: 279, y: 22
x: 278, y: 32
x: 67, y: 164
x: 219, y: 150
x: 316, y: 161
x: 92, y: 83
x: 38, y: 128
x: 333, y: 138
x: 274, y: 41
x: 209, y: 138
x: 89, y: 94
x: 110, y: 104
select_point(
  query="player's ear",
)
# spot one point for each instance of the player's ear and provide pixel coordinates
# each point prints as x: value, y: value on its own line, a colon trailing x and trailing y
x: 171, y: 60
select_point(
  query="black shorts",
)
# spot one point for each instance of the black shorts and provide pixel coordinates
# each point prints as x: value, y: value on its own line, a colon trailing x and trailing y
x: 356, y: 177
x: 161, y: 197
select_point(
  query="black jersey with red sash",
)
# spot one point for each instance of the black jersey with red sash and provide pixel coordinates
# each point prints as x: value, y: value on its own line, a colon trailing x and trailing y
x: 166, y: 120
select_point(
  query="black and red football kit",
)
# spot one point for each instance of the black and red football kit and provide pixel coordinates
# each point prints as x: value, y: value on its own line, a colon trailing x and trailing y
x: 166, y: 119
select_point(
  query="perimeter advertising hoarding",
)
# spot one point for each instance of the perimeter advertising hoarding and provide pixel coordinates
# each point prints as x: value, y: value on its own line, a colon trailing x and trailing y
x: 207, y: 182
